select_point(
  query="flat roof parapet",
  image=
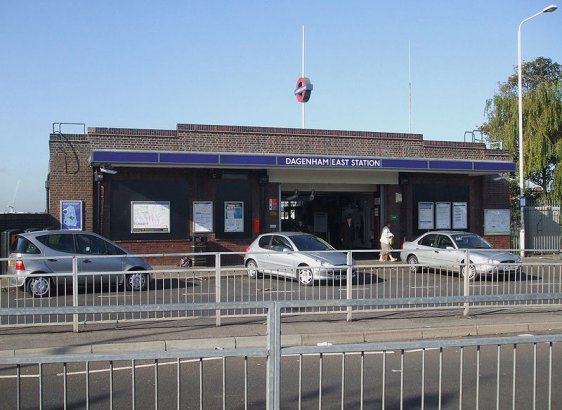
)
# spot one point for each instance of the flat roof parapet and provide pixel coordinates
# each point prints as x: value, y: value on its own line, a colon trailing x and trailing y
x: 241, y: 129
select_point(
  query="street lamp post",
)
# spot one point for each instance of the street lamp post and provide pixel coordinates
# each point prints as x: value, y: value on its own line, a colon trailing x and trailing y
x: 548, y: 9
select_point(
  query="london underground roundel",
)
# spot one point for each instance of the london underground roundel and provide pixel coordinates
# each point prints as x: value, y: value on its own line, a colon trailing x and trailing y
x: 303, y: 89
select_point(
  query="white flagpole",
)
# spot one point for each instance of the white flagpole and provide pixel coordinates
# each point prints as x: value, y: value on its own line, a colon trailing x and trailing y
x: 409, y: 88
x: 302, y: 75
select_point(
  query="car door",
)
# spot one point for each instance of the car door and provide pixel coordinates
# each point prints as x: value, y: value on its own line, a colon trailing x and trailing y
x: 59, y: 249
x: 425, y: 249
x: 96, y: 255
x: 282, y: 260
x: 445, y: 252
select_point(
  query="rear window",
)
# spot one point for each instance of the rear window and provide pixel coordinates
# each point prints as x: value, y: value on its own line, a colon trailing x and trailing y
x: 264, y: 242
x: 58, y: 242
x: 23, y: 245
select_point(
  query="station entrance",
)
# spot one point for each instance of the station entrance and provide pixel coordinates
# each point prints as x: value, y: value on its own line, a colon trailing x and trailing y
x: 324, y: 213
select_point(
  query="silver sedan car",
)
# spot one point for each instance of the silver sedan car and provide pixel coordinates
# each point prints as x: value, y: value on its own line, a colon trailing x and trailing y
x: 38, y: 259
x: 296, y: 255
x: 448, y: 250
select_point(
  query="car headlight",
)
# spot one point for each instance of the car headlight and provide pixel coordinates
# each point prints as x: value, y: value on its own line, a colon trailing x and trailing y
x: 325, y: 264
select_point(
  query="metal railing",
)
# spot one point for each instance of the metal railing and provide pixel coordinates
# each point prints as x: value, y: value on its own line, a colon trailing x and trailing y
x: 496, y: 372
x: 363, y: 280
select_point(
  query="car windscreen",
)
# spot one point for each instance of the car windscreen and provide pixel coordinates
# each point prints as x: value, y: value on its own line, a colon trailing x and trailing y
x: 310, y: 243
x: 467, y: 241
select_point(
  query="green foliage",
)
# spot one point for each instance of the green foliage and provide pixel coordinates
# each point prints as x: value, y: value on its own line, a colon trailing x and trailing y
x: 542, y: 122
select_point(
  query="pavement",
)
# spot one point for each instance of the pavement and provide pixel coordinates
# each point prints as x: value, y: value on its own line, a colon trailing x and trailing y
x: 297, y: 330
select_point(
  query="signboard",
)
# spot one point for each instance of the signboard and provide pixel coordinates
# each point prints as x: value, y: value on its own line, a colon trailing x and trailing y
x: 425, y: 215
x: 497, y: 222
x: 234, y: 216
x: 460, y: 215
x: 303, y: 89
x: 443, y: 215
x: 71, y: 215
x: 202, y: 216
x: 150, y: 216
x: 289, y: 161
x: 273, y: 204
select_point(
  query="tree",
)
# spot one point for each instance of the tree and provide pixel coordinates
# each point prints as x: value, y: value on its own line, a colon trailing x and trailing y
x: 542, y: 122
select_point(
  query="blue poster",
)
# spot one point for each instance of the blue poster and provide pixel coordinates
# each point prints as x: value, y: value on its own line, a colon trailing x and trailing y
x: 71, y: 215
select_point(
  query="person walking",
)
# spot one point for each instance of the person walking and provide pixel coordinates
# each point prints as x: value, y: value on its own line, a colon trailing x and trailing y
x: 386, y: 240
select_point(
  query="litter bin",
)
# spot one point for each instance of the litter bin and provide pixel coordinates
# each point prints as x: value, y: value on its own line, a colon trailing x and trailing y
x: 199, y: 245
x: 8, y: 236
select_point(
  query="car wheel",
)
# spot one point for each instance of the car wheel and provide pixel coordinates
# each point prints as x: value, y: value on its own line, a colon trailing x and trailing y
x: 471, y: 271
x: 136, y: 281
x: 39, y: 286
x: 413, y: 262
x: 252, y: 267
x: 305, y: 275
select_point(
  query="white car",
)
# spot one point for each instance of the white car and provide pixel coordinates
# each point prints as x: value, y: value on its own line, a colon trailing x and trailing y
x: 448, y: 250
x: 296, y: 255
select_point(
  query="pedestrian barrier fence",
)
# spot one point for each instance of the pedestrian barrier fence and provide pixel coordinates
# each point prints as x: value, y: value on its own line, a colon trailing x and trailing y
x: 495, y: 372
x: 386, y: 284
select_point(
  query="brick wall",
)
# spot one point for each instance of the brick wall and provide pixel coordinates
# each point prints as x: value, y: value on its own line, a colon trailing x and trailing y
x: 70, y: 174
x: 221, y: 138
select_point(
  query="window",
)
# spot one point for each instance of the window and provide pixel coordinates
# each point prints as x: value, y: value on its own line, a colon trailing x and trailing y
x: 264, y: 242
x: 428, y: 240
x: 58, y: 242
x: 278, y: 243
x: 23, y: 245
x: 91, y: 245
x: 445, y: 241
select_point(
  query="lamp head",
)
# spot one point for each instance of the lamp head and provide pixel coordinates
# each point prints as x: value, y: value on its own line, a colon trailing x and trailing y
x: 550, y: 9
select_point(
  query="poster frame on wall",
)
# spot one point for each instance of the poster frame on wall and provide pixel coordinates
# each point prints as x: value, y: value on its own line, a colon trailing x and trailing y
x: 156, y: 218
x: 442, y: 215
x: 497, y: 221
x: 460, y: 215
x: 71, y: 215
x: 426, y: 219
x: 202, y: 217
x: 233, y: 216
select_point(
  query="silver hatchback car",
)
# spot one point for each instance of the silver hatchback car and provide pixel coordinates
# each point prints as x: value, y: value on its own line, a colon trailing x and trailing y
x: 296, y: 255
x: 448, y: 250
x: 35, y: 256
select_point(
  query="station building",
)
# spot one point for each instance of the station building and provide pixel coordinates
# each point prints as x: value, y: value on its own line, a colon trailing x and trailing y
x: 162, y: 191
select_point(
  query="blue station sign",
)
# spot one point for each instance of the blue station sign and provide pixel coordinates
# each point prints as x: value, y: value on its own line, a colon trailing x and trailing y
x: 139, y: 158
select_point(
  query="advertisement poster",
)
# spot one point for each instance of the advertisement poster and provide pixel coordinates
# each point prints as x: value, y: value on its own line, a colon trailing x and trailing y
x: 202, y: 216
x: 425, y: 215
x: 71, y: 215
x: 497, y: 222
x: 443, y: 215
x: 460, y: 220
x: 273, y: 204
x: 234, y: 216
x: 150, y: 216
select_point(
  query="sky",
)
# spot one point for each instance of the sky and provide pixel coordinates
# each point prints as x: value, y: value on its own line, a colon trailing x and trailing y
x: 156, y: 64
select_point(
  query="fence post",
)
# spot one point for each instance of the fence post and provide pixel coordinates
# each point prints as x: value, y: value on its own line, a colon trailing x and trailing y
x: 75, y: 293
x: 273, y: 356
x: 466, y: 280
x: 217, y: 287
x: 349, y: 283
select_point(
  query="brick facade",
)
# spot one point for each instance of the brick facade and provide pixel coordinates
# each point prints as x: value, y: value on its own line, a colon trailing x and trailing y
x: 72, y: 177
